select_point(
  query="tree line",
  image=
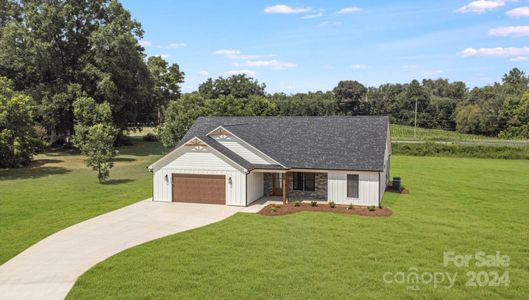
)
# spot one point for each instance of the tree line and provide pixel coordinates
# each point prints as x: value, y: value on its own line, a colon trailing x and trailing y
x: 74, y: 73
x: 501, y: 109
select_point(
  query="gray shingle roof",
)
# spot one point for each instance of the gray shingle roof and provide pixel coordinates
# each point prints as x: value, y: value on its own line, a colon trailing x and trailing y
x: 341, y: 143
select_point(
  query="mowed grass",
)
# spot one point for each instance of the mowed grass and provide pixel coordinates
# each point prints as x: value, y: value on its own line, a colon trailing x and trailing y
x: 403, y: 132
x: 456, y: 204
x: 58, y: 190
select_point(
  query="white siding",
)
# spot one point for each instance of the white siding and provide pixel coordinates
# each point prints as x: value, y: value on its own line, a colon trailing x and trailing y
x: 368, y: 188
x: 384, y: 175
x: 244, y: 150
x: 191, y: 160
x: 255, y: 186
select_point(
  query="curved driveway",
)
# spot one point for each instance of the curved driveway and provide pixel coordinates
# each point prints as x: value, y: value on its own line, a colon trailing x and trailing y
x: 48, y: 269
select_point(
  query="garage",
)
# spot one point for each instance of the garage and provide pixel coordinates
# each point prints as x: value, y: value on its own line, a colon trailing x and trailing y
x: 210, y: 189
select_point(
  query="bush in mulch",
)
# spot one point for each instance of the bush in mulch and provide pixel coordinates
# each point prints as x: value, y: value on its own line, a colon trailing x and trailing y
x: 290, y: 208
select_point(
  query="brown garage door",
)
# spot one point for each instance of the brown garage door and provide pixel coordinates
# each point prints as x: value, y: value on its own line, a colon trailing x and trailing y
x: 199, y: 188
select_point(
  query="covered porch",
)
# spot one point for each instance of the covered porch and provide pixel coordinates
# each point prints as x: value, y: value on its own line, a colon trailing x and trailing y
x: 295, y: 186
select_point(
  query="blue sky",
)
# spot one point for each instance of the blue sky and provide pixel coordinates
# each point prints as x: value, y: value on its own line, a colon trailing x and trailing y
x: 299, y: 46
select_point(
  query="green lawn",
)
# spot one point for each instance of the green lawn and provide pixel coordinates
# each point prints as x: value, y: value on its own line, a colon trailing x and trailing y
x: 58, y: 191
x: 403, y: 132
x: 456, y: 204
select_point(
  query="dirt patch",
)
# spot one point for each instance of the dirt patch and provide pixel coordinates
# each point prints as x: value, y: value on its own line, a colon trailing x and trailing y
x: 290, y: 208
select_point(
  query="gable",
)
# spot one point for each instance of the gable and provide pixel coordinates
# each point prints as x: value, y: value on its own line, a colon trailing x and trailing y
x: 241, y: 148
x: 195, y: 154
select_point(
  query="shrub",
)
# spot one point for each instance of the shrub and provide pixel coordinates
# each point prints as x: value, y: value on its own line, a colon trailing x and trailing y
x: 297, y: 203
x: 332, y: 204
x: 313, y: 203
x: 350, y: 206
x: 277, y: 206
x: 274, y: 209
x: 150, y: 137
x: 371, y: 208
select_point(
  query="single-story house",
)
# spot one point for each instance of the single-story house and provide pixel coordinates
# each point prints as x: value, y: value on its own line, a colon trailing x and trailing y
x: 237, y: 160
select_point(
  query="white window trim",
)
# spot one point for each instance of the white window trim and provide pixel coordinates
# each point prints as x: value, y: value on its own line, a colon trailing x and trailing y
x: 352, y: 198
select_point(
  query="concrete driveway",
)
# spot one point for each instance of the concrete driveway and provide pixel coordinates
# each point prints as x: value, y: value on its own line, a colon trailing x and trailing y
x: 48, y: 269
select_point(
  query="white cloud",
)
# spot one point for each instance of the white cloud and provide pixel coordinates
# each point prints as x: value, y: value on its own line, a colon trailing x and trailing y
x: 203, y: 73
x: 518, y: 12
x: 236, y: 72
x: 349, y: 10
x: 273, y: 64
x: 145, y: 43
x: 313, y: 16
x: 285, y: 9
x: 519, y: 58
x: 481, y: 6
x: 498, y: 51
x: 329, y: 23
x: 172, y: 46
x: 236, y: 54
x: 433, y: 72
x: 359, y: 67
x: 515, y: 31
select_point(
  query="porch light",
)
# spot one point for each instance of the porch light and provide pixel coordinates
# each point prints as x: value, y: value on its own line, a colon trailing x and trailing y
x: 166, y: 178
x: 229, y: 180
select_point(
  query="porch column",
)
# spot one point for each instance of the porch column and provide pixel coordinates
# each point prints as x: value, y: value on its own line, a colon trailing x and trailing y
x: 285, y: 188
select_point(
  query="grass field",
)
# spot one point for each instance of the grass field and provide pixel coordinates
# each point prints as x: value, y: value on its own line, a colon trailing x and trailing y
x: 456, y: 204
x: 58, y: 191
x: 402, y: 132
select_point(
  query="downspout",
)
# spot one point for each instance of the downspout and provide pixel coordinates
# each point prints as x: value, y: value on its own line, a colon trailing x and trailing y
x: 246, y: 200
x: 379, y: 193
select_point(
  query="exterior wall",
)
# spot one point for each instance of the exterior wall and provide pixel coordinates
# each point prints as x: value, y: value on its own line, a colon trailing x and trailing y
x: 267, y: 182
x: 255, y: 186
x: 384, y: 175
x: 368, y: 188
x: 319, y: 193
x: 200, y: 160
x: 243, y: 149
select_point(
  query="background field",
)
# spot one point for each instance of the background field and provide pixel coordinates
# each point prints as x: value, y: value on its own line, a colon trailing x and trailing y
x: 58, y: 191
x: 405, y: 133
x: 456, y: 204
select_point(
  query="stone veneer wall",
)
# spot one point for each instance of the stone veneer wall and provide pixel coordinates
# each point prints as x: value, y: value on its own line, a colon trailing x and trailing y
x: 319, y: 193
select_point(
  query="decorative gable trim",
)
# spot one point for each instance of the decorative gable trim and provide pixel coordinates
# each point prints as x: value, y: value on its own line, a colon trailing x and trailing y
x: 196, y: 142
x: 221, y: 132
x: 226, y: 133
x: 198, y: 145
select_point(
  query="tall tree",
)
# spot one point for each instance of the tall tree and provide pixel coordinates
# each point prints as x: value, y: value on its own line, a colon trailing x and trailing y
x: 17, y: 141
x: 238, y: 86
x: 166, y: 80
x: 515, y: 82
x: 60, y: 50
x: 95, y: 135
x: 179, y: 116
x: 349, y: 95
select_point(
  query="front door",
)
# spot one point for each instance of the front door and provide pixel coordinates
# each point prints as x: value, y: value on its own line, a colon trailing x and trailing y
x: 277, y: 188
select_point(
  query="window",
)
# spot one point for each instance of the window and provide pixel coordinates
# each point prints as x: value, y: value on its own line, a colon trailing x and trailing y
x: 304, y: 181
x: 298, y: 181
x: 352, y: 185
x: 309, y: 182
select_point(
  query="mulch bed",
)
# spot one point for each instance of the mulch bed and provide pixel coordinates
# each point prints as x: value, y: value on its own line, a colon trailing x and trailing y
x: 289, y: 208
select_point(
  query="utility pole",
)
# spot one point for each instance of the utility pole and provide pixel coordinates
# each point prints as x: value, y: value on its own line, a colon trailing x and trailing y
x: 415, y: 128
